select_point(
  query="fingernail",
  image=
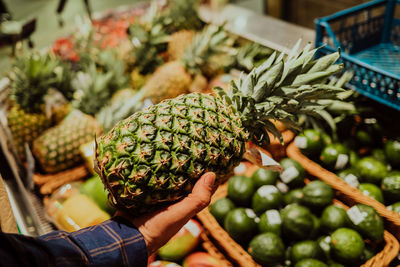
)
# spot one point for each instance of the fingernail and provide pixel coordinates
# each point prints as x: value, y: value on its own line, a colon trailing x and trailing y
x: 210, y: 179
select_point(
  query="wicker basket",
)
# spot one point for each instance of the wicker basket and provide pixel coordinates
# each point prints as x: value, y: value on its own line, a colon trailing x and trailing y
x: 214, y: 251
x: 277, y: 150
x: 241, y: 258
x: 350, y: 194
x: 50, y: 182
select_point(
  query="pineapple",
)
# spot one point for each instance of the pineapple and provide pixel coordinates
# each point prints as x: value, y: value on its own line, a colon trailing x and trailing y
x: 57, y: 148
x: 31, y: 78
x: 175, y: 77
x: 178, y: 44
x: 156, y: 156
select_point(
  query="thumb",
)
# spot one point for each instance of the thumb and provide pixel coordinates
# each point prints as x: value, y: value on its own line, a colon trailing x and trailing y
x: 202, y: 191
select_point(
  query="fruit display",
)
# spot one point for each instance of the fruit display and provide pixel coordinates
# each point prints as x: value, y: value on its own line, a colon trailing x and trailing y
x: 302, y: 225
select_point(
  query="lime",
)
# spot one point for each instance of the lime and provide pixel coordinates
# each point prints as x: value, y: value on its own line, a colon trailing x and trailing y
x: 371, y: 170
x: 270, y: 221
x: 364, y: 139
x: 297, y: 222
x: 267, y: 249
x: 293, y: 196
x: 240, y: 224
x: 240, y: 190
x: 309, y: 142
x: 293, y: 173
x: 310, y: 263
x: 347, y: 245
x: 220, y: 208
x: 316, y: 226
x: 395, y: 207
x: 335, y: 156
x: 264, y: 177
x: 266, y: 197
x: 326, y: 139
x: 306, y: 249
x: 379, y: 154
x: 391, y: 186
x: 366, y: 221
x: 371, y: 190
x: 350, y: 176
x: 333, y: 217
x: 317, y: 194
x: 353, y: 158
x: 392, y: 151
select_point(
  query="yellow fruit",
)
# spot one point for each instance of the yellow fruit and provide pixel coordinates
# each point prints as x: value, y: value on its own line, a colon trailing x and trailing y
x: 87, y: 153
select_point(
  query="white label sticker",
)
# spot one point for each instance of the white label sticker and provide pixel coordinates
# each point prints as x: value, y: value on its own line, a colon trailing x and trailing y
x: 352, y: 180
x: 257, y: 219
x: 282, y: 187
x: 241, y: 168
x: 355, y: 215
x: 269, y: 162
x: 251, y: 213
x: 289, y: 174
x: 325, y: 244
x: 300, y: 142
x: 266, y: 191
x: 273, y: 216
x: 341, y: 161
x: 193, y: 228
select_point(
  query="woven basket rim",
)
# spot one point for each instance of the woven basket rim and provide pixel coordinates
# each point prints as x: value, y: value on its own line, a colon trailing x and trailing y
x: 242, y: 258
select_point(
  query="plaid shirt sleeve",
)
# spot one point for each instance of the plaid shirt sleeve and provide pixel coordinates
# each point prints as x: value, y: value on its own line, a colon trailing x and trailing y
x: 115, y: 242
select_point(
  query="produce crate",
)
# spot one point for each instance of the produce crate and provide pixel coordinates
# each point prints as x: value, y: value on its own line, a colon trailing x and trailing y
x: 369, y: 38
x: 214, y: 251
x: 277, y: 150
x: 349, y: 193
x: 241, y: 258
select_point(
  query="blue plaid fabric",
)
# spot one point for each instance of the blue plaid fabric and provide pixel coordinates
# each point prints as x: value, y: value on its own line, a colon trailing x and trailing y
x: 115, y: 242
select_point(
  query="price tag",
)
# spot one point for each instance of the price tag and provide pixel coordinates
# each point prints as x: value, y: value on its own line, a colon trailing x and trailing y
x: 193, y: 228
x: 266, y: 191
x: 273, y: 217
x: 289, y: 174
x: 341, y: 161
x: 325, y: 244
x: 300, y: 142
x: 355, y: 215
x: 282, y: 187
x: 251, y: 213
x: 352, y: 180
x: 241, y: 168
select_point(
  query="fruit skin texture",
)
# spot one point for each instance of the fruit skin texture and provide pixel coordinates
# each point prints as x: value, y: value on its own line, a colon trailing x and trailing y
x: 202, y: 259
x: 264, y: 177
x: 297, y: 180
x: 392, y: 151
x: 220, y: 208
x: 239, y: 225
x: 304, y: 250
x: 395, y: 207
x: 266, y: 197
x: 333, y: 217
x: 391, y: 186
x: 25, y: 127
x: 330, y: 153
x: 314, y: 142
x: 267, y: 248
x: 293, y: 196
x: 156, y: 156
x: 371, y: 226
x: 372, y: 191
x: 317, y: 194
x: 310, y: 263
x: 241, y: 190
x: 266, y: 225
x: 58, y: 147
x: 297, y: 222
x: 371, y: 170
x: 347, y: 245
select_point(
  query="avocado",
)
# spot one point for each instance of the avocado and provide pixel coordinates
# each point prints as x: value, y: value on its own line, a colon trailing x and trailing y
x: 306, y: 249
x: 310, y: 263
x: 347, y: 245
x: 266, y: 197
x: 392, y: 151
x: 264, y: 177
x: 297, y: 222
x: 335, y: 156
x: 293, y: 173
x: 333, y: 217
x: 371, y: 170
x: 391, y: 186
x: 240, y: 224
x: 317, y: 194
x: 293, y: 196
x: 220, y: 208
x: 366, y: 221
x: 372, y: 191
x: 267, y: 249
x: 241, y: 190
x: 270, y: 221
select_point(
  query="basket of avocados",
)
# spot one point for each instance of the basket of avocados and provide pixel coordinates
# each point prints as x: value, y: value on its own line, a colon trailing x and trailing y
x: 305, y: 226
x: 372, y: 170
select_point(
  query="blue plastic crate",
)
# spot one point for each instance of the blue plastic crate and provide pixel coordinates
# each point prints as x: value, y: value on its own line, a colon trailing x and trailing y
x: 369, y: 38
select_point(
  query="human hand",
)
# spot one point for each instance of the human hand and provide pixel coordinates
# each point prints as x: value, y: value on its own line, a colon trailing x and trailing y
x: 157, y: 228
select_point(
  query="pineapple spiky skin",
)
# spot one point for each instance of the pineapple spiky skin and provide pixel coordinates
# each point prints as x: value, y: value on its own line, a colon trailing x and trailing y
x: 168, y: 81
x: 178, y: 43
x: 58, y: 147
x: 156, y: 156
x: 25, y: 127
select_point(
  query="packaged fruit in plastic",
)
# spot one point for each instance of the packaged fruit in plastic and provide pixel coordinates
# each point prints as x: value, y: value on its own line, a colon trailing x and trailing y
x: 70, y: 210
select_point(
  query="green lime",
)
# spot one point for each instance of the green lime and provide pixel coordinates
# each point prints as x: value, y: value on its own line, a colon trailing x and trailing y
x: 350, y: 176
x: 367, y: 254
x: 266, y: 197
x: 371, y: 190
x: 366, y: 221
x: 353, y: 158
x: 371, y: 170
x: 305, y: 250
x: 324, y: 243
x: 297, y: 222
x: 326, y: 139
x: 240, y: 224
x: 335, y: 156
x: 364, y: 139
x: 267, y: 249
x: 220, y: 208
x: 392, y: 151
x: 333, y: 217
x: 293, y: 173
x: 316, y: 226
x: 347, y: 245
x: 379, y: 154
x: 264, y: 177
x: 310, y: 263
x: 270, y: 221
x: 293, y: 196
x: 309, y: 142
x: 241, y: 190
x: 395, y: 207
x: 391, y: 186
x: 317, y: 194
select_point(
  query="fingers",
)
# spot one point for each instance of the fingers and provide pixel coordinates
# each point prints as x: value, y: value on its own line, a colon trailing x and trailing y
x: 201, y: 193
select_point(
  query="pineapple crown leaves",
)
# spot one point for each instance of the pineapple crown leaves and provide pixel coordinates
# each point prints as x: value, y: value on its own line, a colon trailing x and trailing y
x: 212, y: 40
x: 282, y: 90
x: 251, y: 55
x: 32, y: 75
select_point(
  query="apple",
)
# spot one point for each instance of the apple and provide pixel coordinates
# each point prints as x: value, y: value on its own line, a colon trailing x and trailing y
x: 202, y: 259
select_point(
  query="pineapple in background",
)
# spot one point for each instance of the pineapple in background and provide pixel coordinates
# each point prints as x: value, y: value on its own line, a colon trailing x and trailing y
x: 178, y: 44
x: 155, y: 156
x: 251, y: 55
x: 176, y: 77
x: 31, y: 77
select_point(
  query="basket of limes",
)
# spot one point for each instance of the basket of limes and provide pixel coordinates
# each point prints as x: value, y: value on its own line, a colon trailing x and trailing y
x: 268, y: 219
